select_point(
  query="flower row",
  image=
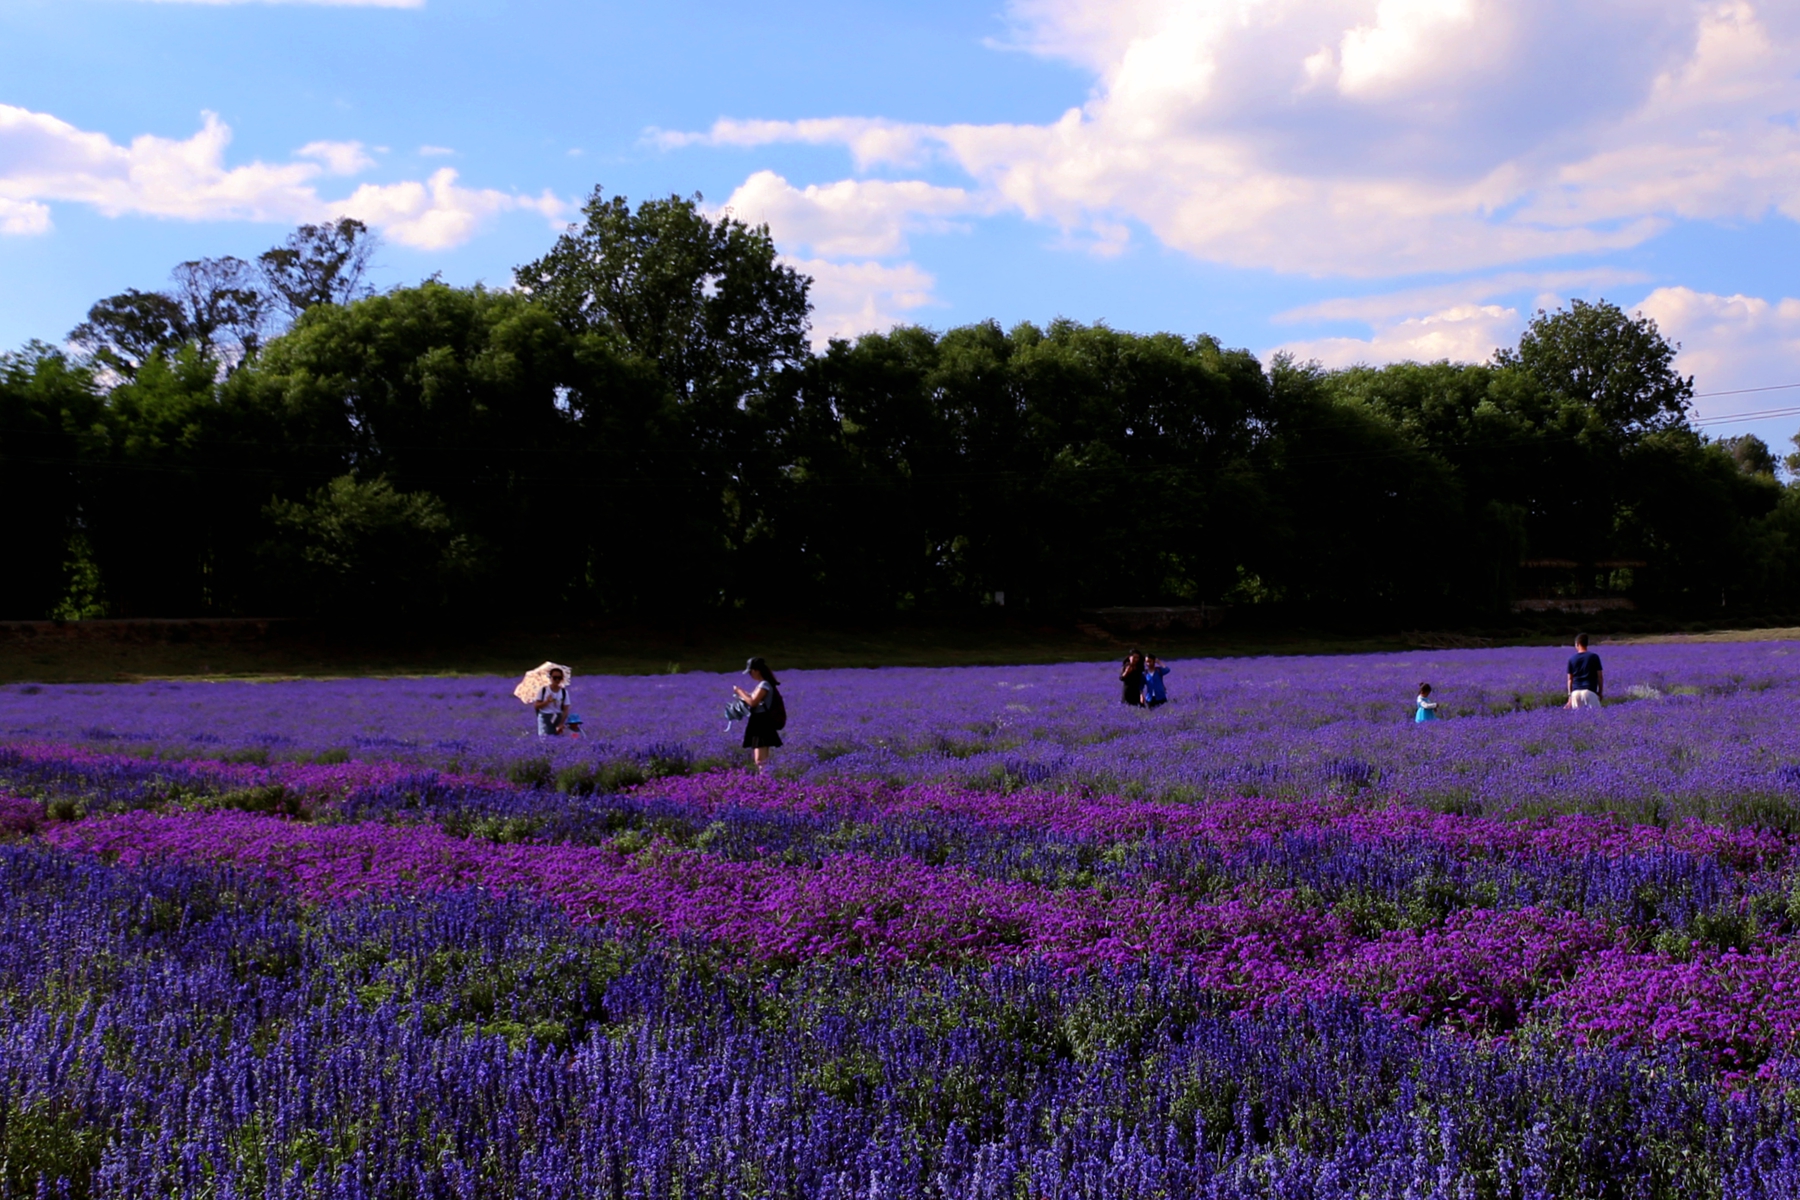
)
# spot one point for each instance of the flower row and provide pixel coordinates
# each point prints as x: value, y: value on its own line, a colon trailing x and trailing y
x: 1480, y: 970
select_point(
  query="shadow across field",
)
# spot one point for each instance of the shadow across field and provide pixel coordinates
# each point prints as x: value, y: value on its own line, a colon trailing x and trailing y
x: 107, y: 651
x: 119, y: 651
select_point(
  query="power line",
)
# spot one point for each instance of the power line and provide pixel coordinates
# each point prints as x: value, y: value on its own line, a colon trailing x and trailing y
x: 1759, y: 415
x: 1773, y: 387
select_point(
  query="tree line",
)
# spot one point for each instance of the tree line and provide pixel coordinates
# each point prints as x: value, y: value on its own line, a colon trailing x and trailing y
x: 641, y: 427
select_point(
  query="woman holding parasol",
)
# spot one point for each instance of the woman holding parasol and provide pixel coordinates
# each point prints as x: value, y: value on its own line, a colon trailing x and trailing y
x: 546, y: 689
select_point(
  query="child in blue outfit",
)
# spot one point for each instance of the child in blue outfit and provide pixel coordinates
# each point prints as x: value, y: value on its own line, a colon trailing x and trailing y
x: 1427, y: 710
x: 1155, y: 692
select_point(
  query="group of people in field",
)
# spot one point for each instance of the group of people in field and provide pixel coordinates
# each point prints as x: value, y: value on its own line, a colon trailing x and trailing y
x: 760, y: 707
x: 1586, y: 684
x: 1141, y: 681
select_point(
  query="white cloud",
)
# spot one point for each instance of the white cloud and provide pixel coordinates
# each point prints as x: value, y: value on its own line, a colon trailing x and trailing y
x: 1455, y: 321
x: 23, y: 217
x: 1727, y: 342
x: 435, y: 152
x: 1462, y: 333
x: 850, y: 218
x: 862, y: 297
x: 338, y: 158
x: 438, y: 213
x: 863, y: 221
x: 1391, y: 306
x: 44, y: 159
x: 1379, y: 137
x: 1730, y: 342
x: 869, y: 141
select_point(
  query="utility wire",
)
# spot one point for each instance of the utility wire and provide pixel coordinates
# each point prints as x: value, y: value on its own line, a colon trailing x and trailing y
x: 1773, y: 387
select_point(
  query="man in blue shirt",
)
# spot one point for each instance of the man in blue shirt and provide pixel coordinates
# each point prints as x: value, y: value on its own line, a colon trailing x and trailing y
x: 1587, y: 683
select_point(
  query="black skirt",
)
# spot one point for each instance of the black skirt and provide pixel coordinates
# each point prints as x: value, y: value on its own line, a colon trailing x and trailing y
x: 1133, y: 691
x: 760, y: 732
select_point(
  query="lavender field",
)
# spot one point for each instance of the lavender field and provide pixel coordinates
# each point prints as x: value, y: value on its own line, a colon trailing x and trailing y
x: 1689, y: 728
x: 983, y: 933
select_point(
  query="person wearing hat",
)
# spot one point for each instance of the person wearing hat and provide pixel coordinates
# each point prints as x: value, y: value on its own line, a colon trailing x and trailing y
x: 762, y: 732
x: 572, y: 726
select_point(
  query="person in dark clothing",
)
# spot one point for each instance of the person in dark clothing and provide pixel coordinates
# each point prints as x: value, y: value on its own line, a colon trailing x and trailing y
x: 1131, y: 679
x: 762, y: 731
x: 1587, y: 681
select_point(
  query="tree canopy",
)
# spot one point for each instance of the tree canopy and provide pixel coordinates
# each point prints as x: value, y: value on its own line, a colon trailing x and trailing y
x: 642, y: 427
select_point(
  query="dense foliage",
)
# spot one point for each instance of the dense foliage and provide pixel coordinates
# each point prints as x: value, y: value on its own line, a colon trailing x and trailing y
x: 641, y: 428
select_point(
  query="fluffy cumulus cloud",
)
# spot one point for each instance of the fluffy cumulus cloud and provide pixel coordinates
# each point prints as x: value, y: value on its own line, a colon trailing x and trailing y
x: 1460, y: 333
x: 854, y: 297
x: 23, y: 217
x: 1374, y: 138
x: 338, y: 158
x: 44, y: 160
x: 1732, y: 342
x: 852, y: 217
x: 839, y: 233
x: 1463, y: 321
x: 1745, y: 346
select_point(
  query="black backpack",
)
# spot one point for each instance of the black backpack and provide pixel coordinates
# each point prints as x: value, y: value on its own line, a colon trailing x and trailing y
x: 778, y: 710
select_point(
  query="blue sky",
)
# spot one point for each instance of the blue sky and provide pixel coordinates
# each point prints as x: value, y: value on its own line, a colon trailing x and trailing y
x: 1351, y: 180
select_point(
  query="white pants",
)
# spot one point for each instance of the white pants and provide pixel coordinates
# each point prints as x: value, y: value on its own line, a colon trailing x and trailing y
x: 1582, y: 698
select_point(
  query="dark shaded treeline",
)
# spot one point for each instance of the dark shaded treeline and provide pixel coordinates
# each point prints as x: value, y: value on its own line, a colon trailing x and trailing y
x: 643, y: 430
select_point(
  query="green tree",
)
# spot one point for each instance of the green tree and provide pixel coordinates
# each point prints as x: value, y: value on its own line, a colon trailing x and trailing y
x: 319, y: 264
x: 1367, y: 517
x: 563, y: 460
x: 217, y: 305
x: 1063, y: 466
x: 724, y: 324
x: 1486, y: 426
x: 1751, y: 454
x: 1617, y: 367
x: 1688, y: 507
x: 47, y: 403
x: 224, y: 307
x: 172, y: 478
x: 126, y: 331
x: 706, y: 300
x: 364, y: 550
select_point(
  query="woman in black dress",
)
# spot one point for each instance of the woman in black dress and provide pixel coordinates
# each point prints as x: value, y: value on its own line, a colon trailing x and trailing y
x: 1131, y: 679
x: 767, y: 713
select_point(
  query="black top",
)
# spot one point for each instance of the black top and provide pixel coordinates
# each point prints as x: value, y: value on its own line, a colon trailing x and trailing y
x: 1584, y: 670
x: 1132, y: 679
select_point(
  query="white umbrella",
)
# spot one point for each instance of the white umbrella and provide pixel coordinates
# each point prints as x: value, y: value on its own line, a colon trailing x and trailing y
x: 538, y: 678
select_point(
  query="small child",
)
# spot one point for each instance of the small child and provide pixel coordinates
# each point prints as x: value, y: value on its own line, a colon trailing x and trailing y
x: 1427, y: 710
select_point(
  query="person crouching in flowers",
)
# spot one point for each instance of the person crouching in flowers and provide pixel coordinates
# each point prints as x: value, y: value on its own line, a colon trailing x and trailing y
x: 1427, y: 707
